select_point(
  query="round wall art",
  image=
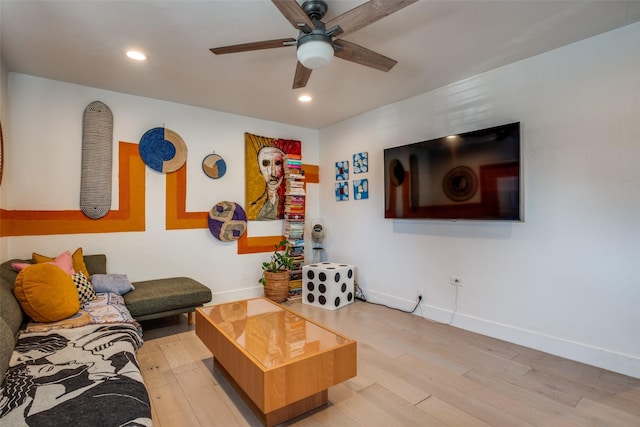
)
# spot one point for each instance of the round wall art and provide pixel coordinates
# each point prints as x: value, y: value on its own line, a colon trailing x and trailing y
x: 214, y: 166
x: 163, y: 150
x: 460, y: 183
x: 227, y: 221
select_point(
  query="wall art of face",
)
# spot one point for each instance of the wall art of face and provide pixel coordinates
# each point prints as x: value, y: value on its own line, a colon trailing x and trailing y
x: 271, y: 163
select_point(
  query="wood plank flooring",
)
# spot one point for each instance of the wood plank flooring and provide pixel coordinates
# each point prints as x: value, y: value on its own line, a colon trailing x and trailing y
x: 411, y: 372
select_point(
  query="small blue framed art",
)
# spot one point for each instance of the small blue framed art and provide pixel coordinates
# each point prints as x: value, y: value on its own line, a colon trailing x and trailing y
x: 342, y: 170
x: 360, y: 189
x: 361, y: 162
x: 342, y: 191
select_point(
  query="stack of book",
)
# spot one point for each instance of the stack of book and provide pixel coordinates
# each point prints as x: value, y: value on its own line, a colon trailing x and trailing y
x: 294, y: 206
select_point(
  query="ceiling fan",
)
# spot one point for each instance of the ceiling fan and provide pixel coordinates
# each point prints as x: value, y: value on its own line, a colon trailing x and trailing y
x: 316, y: 43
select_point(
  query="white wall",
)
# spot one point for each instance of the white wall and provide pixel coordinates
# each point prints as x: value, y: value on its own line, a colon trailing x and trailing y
x: 44, y: 174
x: 567, y: 280
x: 5, y: 135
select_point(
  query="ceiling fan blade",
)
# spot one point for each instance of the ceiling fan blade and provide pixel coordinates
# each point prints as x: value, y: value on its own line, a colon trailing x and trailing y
x: 363, y: 56
x: 302, y: 76
x: 293, y: 12
x: 266, y: 44
x: 367, y: 13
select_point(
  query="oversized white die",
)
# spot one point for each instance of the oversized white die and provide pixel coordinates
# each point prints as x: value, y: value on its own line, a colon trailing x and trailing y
x: 328, y: 285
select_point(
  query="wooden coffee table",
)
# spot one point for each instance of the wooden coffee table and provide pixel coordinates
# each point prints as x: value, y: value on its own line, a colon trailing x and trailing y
x: 280, y: 362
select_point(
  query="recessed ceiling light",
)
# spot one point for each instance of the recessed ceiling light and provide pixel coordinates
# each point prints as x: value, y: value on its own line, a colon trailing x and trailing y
x: 304, y: 98
x: 138, y: 56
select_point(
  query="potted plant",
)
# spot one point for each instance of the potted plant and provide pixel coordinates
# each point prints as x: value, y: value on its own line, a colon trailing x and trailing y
x: 275, y: 274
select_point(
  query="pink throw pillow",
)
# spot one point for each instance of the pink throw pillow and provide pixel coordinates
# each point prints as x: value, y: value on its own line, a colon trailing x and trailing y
x: 19, y: 266
x: 63, y: 261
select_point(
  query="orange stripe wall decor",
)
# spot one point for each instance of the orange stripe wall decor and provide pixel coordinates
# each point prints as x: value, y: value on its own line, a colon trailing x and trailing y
x: 130, y: 215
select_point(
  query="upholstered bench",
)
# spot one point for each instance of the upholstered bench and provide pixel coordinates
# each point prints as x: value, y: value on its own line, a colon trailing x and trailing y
x: 152, y: 299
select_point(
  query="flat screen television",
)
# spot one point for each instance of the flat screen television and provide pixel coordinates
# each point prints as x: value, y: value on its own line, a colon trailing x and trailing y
x: 469, y: 176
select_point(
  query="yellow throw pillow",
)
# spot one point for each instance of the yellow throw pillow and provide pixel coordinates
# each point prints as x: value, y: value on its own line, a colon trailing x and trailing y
x: 77, y: 257
x: 46, y: 293
x: 78, y: 263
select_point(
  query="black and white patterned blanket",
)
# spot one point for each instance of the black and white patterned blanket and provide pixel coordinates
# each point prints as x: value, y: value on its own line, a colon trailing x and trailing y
x: 86, y: 376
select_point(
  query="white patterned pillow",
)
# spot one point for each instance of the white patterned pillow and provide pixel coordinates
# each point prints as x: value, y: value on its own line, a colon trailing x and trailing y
x: 86, y: 292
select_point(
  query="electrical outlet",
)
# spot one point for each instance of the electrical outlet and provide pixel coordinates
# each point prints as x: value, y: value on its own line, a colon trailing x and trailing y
x: 455, y: 280
x: 420, y: 295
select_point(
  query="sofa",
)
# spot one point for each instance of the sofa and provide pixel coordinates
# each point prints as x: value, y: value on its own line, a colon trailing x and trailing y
x: 83, y: 370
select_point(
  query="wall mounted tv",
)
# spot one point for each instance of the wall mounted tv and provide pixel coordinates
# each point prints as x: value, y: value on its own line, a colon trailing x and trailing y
x: 470, y: 176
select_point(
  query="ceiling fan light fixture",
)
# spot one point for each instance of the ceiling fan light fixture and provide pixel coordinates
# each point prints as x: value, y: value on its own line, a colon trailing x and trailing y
x: 315, y: 51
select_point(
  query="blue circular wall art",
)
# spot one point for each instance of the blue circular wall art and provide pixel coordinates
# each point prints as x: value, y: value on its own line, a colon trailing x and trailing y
x: 163, y: 150
x: 214, y: 166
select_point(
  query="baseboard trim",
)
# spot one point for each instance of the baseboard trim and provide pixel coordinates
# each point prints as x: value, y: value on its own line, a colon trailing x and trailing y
x: 611, y: 360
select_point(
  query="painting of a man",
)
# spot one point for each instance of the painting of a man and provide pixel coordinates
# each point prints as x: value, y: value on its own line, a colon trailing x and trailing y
x: 265, y: 166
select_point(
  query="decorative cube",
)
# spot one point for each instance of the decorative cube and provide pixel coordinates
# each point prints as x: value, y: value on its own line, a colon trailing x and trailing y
x: 328, y: 285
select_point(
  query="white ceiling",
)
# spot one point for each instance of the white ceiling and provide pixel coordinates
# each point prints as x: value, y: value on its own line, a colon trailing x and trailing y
x: 434, y: 42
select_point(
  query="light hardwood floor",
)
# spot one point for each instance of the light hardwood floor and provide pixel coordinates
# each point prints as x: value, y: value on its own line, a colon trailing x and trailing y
x: 411, y: 372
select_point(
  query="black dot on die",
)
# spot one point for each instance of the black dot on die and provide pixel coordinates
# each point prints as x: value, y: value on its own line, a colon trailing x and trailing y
x: 322, y: 288
x: 349, y: 296
x: 310, y: 275
x: 337, y: 302
x: 322, y: 277
x: 322, y: 300
x: 343, y: 287
x: 310, y: 297
x: 310, y: 286
x: 350, y: 273
x: 337, y: 278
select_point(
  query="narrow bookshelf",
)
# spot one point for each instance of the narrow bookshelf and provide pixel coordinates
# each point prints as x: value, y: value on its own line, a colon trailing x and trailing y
x: 294, y: 209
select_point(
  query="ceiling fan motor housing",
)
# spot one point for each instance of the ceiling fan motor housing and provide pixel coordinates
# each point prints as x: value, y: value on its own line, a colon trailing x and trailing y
x: 315, y: 9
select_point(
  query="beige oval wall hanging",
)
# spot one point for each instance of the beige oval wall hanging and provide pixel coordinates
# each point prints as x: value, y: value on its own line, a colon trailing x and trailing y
x: 97, y: 160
